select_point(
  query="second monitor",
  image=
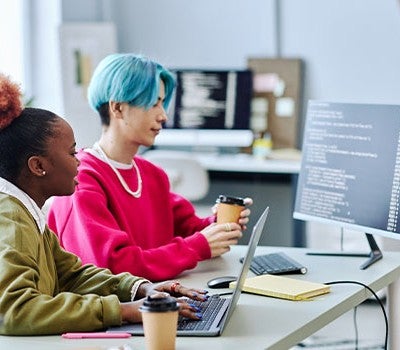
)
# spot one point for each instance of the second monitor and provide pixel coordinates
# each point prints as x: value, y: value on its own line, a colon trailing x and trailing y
x: 350, y: 171
x: 210, y: 108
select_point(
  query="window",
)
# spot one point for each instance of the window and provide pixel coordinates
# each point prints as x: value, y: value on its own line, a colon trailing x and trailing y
x: 11, y: 40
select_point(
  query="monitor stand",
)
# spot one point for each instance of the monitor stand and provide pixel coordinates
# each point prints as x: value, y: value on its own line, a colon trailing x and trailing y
x: 373, y: 256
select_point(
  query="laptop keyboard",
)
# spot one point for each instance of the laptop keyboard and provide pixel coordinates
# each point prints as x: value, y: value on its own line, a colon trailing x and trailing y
x: 276, y: 264
x: 209, y: 309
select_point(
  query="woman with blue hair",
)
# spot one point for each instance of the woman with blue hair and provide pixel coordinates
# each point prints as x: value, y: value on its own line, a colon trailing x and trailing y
x: 123, y: 215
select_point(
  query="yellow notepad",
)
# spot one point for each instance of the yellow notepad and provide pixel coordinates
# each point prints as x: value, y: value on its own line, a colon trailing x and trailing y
x: 283, y: 287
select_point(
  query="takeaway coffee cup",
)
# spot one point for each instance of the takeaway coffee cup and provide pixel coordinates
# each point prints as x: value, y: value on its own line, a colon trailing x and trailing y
x: 229, y: 208
x: 160, y: 319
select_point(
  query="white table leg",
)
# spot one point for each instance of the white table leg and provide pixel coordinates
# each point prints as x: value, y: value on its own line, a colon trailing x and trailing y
x: 394, y: 315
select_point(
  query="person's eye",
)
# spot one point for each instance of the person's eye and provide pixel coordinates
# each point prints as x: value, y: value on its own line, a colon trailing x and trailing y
x: 159, y: 103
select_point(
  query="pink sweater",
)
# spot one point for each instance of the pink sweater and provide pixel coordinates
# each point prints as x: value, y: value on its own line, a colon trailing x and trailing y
x: 155, y: 236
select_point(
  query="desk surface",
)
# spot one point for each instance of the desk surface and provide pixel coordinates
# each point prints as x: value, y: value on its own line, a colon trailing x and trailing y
x: 233, y: 162
x: 246, y: 163
x: 258, y: 322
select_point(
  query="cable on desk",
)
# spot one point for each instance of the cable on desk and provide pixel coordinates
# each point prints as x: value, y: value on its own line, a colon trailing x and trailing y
x: 379, y: 301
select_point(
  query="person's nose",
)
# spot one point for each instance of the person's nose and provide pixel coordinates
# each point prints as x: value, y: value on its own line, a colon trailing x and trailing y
x: 163, y: 116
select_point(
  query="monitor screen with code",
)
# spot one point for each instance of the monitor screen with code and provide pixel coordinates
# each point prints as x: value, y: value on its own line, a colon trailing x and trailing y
x: 209, y: 108
x: 350, y: 171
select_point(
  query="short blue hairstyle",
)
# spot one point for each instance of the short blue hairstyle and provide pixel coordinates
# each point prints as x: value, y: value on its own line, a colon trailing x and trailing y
x: 129, y: 78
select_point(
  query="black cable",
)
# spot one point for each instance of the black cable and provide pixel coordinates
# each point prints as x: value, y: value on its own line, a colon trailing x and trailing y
x: 377, y: 298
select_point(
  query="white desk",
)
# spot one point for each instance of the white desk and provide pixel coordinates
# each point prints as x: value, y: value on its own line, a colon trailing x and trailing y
x: 261, y: 322
x: 246, y: 163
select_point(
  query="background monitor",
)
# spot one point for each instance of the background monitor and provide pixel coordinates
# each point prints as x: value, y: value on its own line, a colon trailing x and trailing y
x: 350, y: 171
x: 209, y: 108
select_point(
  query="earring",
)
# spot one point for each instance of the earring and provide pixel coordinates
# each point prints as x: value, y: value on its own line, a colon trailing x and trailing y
x: 43, y: 173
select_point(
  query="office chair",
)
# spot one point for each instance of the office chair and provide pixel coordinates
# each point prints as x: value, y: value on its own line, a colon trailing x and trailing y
x: 186, y: 174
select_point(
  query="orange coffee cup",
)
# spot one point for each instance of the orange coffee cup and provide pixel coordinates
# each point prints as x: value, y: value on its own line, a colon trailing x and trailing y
x: 160, y: 319
x: 229, y: 209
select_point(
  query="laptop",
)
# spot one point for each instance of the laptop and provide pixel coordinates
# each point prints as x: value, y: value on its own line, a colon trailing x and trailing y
x: 224, y: 305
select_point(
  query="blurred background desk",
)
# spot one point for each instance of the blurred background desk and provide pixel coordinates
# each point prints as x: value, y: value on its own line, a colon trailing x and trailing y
x: 269, y: 182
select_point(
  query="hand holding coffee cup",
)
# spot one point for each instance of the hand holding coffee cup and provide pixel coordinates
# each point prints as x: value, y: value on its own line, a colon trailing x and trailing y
x: 232, y: 216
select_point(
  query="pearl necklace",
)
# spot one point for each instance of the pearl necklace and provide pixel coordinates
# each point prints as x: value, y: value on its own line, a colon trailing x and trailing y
x: 135, y: 194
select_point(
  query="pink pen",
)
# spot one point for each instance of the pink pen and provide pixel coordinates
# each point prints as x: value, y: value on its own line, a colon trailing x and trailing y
x: 82, y: 335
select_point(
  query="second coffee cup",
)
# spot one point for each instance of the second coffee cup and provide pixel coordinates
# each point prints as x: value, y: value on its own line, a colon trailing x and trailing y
x: 229, y: 209
x: 160, y: 318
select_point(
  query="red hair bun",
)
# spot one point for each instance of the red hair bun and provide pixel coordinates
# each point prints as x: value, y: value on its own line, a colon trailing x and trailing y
x: 10, y: 101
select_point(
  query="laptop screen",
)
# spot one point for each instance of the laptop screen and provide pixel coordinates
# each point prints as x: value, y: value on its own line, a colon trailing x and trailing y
x: 254, y: 239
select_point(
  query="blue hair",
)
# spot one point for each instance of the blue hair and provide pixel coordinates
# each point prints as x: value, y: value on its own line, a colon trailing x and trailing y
x: 129, y: 78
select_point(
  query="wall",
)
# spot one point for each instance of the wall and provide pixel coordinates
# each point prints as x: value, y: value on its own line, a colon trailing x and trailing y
x: 350, y: 48
x: 42, y: 54
x: 201, y: 33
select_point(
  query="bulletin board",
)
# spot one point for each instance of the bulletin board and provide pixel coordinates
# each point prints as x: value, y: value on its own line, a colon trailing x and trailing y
x: 277, y: 85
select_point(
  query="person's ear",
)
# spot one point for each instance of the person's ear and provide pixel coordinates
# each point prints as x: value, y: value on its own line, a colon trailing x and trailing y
x: 36, y: 166
x: 115, y: 109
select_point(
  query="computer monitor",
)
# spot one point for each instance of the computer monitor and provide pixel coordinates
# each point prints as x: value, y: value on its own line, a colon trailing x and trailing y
x: 350, y: 170
x: 210, y: 108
